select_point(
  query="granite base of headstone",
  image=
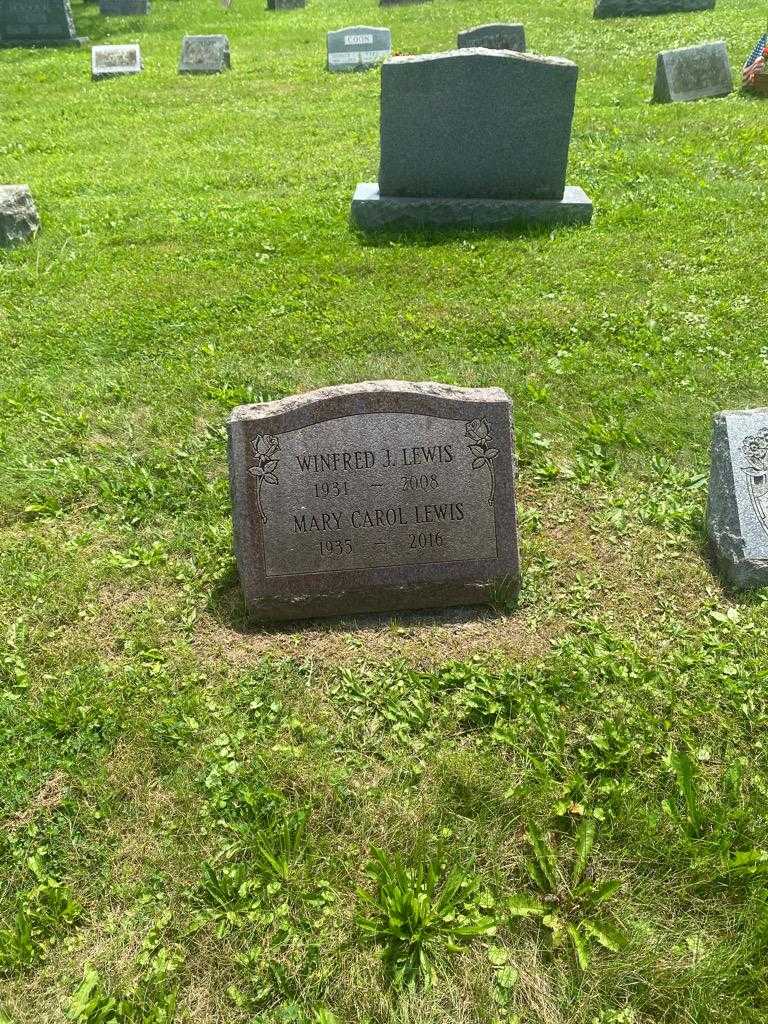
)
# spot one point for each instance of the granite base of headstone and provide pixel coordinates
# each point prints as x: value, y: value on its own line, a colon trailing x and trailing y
x: 693, y: 73
x: 474, y: 137
x: 19, y: 220
x: 124, y: 8
x: 285, y: 5
x: 496, y: 36
x: 114, y: 61
x: 395, y: 3
x: 374, y: 497
x: 632, y: 8
x: 38, y: 23
x: 204, y: 55
x: 737, y: 513
x: 358, y: 48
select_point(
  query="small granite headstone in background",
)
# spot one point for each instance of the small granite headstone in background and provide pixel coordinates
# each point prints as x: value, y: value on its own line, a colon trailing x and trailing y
x: 497, y: 36
x: 19, y: 220
x: 204, y: 55
x: 124, y: 8
x: 630, y: 8
x: 358, y: 48
x: 737, y: 514
x: 38, y: 23
x: 391, y: 3
x: 285, y: 5
x: 113, y: 61
x: 692, y: 73
x: 375, y: 496
x: 474, y: 137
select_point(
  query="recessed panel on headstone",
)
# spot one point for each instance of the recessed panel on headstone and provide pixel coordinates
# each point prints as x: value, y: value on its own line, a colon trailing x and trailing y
x: 204, y: 55
x: 496, y: 36
x: 37, y: 23
x: 19, y: 220
x: 358, y: 48
x: 374, y: 496
x: 124, y: 8
x: 737, y: 514
x: 113, y: 61
x: 630, y: 8
x: 693, y: 73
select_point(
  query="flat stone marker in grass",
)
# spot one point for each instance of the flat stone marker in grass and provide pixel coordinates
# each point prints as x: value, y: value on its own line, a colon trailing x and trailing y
x: 358, y: 48
x: 374, y: 496
x: 19, y: 220
x: 124, y: 8
x: 693, y: 73
x: 630, y: 8
x: 204, y: 55
x: 737, y: 515
x: 38, y: 23
x: 113, y: 61
x: 474, y: 137
x: 285, y: 5
x: 497, y: 36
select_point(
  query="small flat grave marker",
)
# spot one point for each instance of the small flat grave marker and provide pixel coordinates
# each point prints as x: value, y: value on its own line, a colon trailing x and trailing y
x: 124, y: 8
x: 285, y: 5
x: 737, y: 515
x: 631, y: 8
x: 693, y: 73
x: 496, y: 36
x: 37, y: 23
x: 204, y: 55
x: 19, y: 221
x: 358, y: 48
x: 113, y: 61
x: 375, y: 496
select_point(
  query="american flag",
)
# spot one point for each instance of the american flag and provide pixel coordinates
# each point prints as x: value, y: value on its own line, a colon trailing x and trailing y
x: 755, y: 65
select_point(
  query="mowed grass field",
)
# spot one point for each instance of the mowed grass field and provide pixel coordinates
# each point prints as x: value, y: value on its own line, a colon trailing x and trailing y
x: 553, y: 814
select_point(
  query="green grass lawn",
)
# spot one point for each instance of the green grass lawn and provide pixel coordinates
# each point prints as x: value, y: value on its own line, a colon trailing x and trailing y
x: 570, y: 800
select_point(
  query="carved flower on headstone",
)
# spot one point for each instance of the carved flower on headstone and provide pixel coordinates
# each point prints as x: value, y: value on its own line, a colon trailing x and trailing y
x: 481, y: 446
x: 265, y: 450
x: 755, y: 448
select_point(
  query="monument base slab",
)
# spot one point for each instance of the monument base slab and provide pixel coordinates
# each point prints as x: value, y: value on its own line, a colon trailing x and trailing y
x: 371, y: 210
x: 12, y: 44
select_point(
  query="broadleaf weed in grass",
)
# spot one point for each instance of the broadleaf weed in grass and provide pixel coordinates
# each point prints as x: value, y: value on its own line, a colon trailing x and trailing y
x: 419, y: 914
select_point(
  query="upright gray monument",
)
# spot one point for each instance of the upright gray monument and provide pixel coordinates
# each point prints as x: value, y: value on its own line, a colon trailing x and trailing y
x: 630, y: 8
x: 737, y: 515
x: 37, y: 23
x: 358, y: 48
x: 19, y: 221
x: 285, y: 5
x: 496, y: 36
x: 124, y: 8
x: 375, y: 496
x: 204, y: 55
x: 693, y: 73
x: 474, y: 137
x: 114, y: 61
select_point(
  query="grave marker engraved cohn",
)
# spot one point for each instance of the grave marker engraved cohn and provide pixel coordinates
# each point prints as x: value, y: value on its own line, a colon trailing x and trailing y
x: 358, y: 48
x: 374, y: 496
x: 737, y: 514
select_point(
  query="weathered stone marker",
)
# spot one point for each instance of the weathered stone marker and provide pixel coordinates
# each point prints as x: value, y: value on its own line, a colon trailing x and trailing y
x: 374, y: 496
x: 358, y: 48
x: 19, y: 221
x: 124, y: 8
x: 737, y: 515
x: 113, y: 61
x: 630, y: 8
x: 38, y: 23
x: 693, y: 73
x: 474, y: 137
x: 285, y: 5
x: 204, y: 55
x: 497, y: 36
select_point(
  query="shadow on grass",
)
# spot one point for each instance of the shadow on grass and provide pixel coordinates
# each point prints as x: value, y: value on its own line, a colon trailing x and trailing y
x: 428, y: 238
x: 227, y: 606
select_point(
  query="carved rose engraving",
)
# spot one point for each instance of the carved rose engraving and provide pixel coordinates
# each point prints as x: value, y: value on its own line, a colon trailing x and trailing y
x: 264, y: 448
x: 755, y: 449
x: 481, y: 446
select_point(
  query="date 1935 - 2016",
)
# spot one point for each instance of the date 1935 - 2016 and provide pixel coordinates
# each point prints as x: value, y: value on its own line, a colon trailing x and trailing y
x: 416, y: 542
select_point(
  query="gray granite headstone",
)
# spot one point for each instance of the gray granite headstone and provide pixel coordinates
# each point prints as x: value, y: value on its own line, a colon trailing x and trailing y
x: 374, y: 496
x: 358, y: 48
x: 474, y: 136
x: 496, y: 36
x: 19, y: 221
x: 392, y: 3
x: 692, y: 73
x: 113, y: 61
x: 737, y: 515
x: 630, y: 8
x: 37, y: 23
x: 204, y: 55
x: 124, y: 8
x: 285, y: 5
